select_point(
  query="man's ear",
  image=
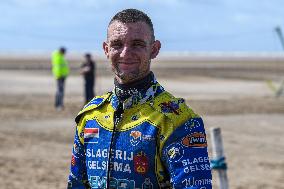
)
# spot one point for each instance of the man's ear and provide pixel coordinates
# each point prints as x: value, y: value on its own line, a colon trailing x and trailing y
x: 106, y: 49
x: 155, y: 49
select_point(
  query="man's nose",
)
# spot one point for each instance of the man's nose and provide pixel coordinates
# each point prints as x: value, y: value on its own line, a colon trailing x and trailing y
x: 126, y: 51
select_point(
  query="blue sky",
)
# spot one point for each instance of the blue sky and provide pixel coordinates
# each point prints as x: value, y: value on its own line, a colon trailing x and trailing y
x: 181, y: 25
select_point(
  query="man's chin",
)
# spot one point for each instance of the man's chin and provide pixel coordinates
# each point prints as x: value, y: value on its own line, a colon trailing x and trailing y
x: 127, y: 78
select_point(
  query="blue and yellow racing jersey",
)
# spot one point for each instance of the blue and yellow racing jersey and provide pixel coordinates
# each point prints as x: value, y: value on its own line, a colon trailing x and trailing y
x: 159, y: 142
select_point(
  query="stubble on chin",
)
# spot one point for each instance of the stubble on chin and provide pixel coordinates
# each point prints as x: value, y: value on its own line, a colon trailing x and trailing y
x: 130, y: 77
x: 127, y: 77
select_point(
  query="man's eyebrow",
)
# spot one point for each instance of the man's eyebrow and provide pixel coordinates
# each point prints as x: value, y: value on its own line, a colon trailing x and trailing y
x: 115, y: 41
x: 139, y: 40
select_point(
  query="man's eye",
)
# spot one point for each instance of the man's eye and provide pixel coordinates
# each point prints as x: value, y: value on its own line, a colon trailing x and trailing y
x: 138, y: 44
x: 116, y: 45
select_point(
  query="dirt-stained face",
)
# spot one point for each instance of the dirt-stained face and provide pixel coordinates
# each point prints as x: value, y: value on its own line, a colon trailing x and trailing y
x: 130, y: 48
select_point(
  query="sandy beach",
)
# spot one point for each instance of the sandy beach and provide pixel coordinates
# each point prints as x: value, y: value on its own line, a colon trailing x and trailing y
x: 36, y: 140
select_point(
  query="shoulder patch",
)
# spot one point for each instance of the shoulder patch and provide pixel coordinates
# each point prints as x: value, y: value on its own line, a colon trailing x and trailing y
x: 174, y: 108
x: 94, y: 103
x: 171, y: 106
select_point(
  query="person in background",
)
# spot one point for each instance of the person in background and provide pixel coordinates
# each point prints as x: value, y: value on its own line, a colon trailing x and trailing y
x: 88, y: 71
x: 60, y: 70
x: 138, y: 135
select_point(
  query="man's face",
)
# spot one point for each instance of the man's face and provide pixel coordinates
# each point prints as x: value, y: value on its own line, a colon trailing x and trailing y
x: 130, y: 48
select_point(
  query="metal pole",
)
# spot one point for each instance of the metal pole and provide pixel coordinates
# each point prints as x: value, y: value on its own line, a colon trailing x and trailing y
x: 280, y: 35
x: 218, y: 163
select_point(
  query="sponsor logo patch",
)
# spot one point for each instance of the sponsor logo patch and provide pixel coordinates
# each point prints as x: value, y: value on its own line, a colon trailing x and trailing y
x: 175, y: 152
x: 136, y: 137
x: 196, y: 139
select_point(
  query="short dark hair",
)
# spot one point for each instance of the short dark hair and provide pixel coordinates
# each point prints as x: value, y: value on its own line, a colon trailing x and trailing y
x: 88, y: 55
x: 132, y: 16
x: 62, y: 50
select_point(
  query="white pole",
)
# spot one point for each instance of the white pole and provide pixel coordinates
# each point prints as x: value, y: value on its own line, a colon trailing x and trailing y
x: 218, y: 157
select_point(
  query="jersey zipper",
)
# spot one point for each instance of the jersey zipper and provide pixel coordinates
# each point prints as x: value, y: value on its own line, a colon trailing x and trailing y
x: 116, y: 119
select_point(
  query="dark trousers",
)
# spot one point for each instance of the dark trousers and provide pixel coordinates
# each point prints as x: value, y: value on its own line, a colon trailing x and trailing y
x: 59, y: 92
x: 89, y: 89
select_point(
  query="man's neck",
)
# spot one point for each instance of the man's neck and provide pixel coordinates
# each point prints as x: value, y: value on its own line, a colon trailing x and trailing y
x: 124, y: 91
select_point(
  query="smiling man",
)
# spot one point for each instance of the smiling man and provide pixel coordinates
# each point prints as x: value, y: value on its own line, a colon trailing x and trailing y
x: 138, y: 135
x: 130, y: 48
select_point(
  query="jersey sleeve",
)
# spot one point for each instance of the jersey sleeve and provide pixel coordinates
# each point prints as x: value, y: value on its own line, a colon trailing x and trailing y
x: 186, y: 158
x: 78, y: 176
